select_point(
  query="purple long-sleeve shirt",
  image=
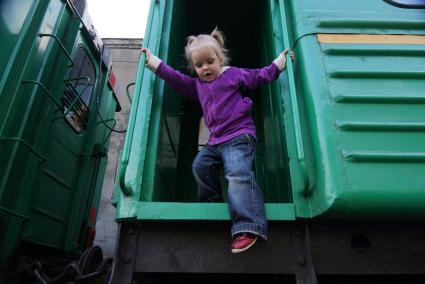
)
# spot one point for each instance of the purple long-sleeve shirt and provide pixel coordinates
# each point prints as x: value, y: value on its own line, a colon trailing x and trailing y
x: 227, y: 113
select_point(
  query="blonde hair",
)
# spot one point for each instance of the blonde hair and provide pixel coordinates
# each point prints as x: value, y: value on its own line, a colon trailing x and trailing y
x: 215, y: 41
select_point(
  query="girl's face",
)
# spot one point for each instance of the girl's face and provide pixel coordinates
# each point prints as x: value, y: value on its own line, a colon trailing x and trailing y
x: 207, y: 64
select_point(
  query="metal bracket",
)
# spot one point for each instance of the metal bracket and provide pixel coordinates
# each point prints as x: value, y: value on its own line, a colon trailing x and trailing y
x: 125, y: 253
x: 61, y: 46
x: 304, y: 269
x: 128, y: 92
x: 99, y: 151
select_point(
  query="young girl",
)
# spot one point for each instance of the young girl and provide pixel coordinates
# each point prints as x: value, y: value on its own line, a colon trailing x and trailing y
x: 232, y: 140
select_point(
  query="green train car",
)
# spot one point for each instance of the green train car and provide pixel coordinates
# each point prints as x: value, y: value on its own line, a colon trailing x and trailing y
x: 340, y: 152
x: 57, y: 105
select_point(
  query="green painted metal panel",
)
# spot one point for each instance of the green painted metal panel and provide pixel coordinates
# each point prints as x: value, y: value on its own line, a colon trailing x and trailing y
x: 18, y: 116
x: 348, y: 116
x: 362, y: 110
x: 60, y: 144
x: 51, y: 174
x: 155, y: 179
x: 361, y: 16
x: 204, y: 211
x: 12, y: 23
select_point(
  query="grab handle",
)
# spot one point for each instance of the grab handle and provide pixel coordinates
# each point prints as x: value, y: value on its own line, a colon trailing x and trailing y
x: 61, y: 46
x: 294, y: 106
x: 124, y: 184
x: 128, y: 92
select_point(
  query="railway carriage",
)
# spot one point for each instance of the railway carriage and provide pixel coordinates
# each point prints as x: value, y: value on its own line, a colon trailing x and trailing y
x: 340, y: 152
x: 57, y: 106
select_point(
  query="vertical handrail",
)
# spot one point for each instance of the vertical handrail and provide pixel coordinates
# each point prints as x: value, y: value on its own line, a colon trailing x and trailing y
x: 61, y: 46
x: 294, y: 104
x: 125, y: 188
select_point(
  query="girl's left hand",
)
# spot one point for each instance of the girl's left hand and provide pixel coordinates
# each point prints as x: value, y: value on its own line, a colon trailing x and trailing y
x: 280, y: 61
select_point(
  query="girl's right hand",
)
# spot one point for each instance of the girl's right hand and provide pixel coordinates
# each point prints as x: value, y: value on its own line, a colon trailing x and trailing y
x: 281, y: 59
x: 151, y: 61
x: 147, y: 53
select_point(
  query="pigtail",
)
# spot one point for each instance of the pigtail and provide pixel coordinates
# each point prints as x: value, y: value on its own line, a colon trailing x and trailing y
x: 218, y: 36
x: 190, y: 40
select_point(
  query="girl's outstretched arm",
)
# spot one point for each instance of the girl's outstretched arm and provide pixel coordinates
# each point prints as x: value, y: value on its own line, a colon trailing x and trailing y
x: 254, y: 78
x: 180, y: 82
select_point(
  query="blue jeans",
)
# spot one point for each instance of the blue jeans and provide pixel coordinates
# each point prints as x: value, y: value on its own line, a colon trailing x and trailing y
x: 245, y: 200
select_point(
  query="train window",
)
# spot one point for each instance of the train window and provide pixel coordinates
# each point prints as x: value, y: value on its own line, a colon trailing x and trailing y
x: 412, y: 4
x: 79, y: 87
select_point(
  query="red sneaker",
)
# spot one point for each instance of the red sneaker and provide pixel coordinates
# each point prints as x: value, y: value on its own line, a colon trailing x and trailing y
x: 243, y: 242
